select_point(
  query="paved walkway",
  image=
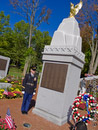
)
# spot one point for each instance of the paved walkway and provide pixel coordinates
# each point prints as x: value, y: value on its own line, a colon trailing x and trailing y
x: 37, y: 123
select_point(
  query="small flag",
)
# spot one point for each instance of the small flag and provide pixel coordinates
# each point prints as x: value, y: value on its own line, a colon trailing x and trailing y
x: 5, y: 92
x: 8, y: 119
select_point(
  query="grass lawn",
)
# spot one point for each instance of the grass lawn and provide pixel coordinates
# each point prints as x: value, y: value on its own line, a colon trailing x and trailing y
x: 14, y: 71
x: 17, y: 73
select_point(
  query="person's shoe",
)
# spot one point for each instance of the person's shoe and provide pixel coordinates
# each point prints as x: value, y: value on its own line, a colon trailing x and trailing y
x: 23, y: 112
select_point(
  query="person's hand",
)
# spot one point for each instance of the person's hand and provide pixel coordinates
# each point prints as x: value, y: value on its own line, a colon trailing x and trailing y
x: 23, y: 92
x: 34, y: 93
x: 35, y: 79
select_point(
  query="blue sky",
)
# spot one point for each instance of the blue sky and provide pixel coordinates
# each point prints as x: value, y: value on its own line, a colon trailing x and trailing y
x: 60, y: 10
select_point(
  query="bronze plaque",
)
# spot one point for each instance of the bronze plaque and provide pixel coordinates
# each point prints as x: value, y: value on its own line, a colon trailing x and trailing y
x: 3, y: 64
x: 54, y: 76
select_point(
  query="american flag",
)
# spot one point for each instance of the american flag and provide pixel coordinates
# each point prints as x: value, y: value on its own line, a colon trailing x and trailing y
x: 8, y: 119
x: 5, y: 92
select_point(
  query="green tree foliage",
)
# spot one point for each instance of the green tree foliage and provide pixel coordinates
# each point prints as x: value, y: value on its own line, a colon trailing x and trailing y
x: 4, y: 22
x: 14, y: 43
x: 87, y: 61
x: 39, y: 41
x: 19, y: 42
x: 34, y: 53
x: 31, y: 57
x: 5, y: 34
x: 30, y: 10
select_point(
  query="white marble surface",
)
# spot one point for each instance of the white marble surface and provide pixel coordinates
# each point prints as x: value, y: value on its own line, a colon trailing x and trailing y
x: 68, y: 34
x: 65, y: 48
x: 5, y: 85
x: 3, y: 73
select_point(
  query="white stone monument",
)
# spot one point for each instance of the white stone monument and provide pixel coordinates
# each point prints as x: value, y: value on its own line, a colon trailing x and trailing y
x: 4, y: 64
x: 62, y: 64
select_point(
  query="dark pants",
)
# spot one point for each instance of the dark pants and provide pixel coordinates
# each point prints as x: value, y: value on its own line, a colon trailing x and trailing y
x: 26, y: 102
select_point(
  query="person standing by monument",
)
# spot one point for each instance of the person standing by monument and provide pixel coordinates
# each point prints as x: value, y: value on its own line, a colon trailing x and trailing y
x: 83, y: 86
x: 29, y: 85
x: 79, y: 126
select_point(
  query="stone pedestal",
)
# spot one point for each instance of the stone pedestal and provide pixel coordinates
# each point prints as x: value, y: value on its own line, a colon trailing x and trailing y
x: 62, y: 64
x: 4, y: 64
x: 5, y: 85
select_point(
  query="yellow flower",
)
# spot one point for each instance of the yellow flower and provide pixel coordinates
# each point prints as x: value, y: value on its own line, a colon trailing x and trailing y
x: 1, y: 90
x: 17, y: 89
x: 14, y: 94
x: 19, y: 83
x: 1, y: 96
x: 12, y: 89
x: 6, y: 81
x: 12, y: 82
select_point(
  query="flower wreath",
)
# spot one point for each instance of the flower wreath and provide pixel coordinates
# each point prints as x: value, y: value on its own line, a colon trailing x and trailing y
x: 90, y: 106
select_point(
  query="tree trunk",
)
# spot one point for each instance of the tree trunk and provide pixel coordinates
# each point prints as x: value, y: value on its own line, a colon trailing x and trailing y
x: 93, y: 62
x: 91, y: 66
x: 30, y: 38
x: 96, y: 65
x: 25, y: 67
x: 30, y: 34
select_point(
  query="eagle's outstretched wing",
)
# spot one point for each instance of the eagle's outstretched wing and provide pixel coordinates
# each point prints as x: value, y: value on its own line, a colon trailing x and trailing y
x: 75, y: 9
x: 79, y: 5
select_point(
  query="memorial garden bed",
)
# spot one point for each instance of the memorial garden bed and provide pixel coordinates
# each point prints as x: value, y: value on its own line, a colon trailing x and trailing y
x: 11, y: 92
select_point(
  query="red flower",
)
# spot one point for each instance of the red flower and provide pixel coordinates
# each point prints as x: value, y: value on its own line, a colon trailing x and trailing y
x: 82, y: 106
x: 16, y: 81
x: 17, y: 92
x: 88, y: 122
x: 10, y: 94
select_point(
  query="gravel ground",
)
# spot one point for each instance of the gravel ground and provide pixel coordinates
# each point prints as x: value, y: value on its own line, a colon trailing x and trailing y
x: 36, y: 122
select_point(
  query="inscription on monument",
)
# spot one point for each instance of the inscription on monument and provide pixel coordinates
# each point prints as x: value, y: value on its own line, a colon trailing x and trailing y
x: 3, y: 64
x: 54, y: 76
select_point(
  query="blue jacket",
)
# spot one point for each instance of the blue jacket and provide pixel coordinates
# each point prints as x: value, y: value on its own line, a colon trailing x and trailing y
x: 29, y: 83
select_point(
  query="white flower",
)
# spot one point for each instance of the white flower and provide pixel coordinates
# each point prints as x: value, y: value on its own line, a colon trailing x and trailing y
x: 91, y: 104
x: 91, y: 97
x: 78, y: 114
x: 80, y: 119
x: 91, y: 119
x: 77, y: 99
x: 73, y: 110
x: 97, y: 112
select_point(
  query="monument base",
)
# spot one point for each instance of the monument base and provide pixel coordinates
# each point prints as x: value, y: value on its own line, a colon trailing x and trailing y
x: 59, y: 82
x: 5, y: 85
x: 50, y: 117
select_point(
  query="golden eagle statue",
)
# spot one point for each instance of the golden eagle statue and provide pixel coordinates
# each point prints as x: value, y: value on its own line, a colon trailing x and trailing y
x: 75, y: 9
